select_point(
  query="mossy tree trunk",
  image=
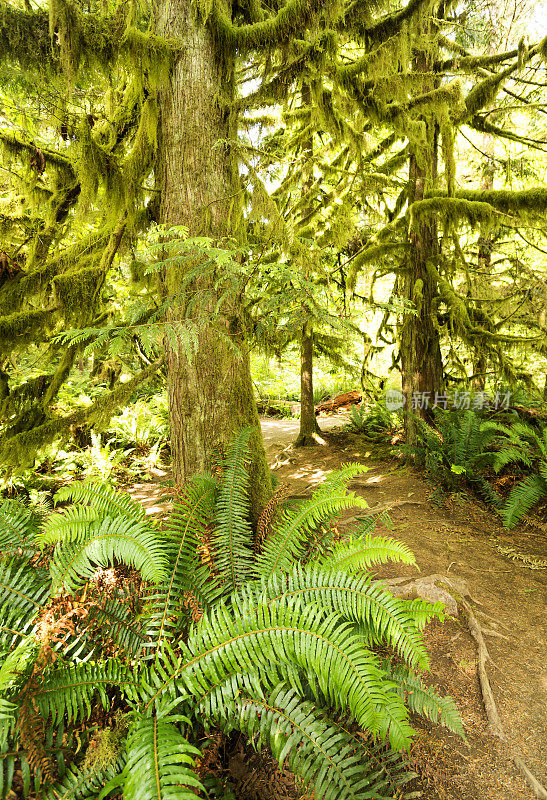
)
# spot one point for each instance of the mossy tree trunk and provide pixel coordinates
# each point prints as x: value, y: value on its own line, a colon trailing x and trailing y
x: 421, y: 359
x: 209, y: 381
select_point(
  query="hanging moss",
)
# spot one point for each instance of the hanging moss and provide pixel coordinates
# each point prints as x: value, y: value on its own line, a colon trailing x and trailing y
x: 22, y: 397
x: 76, y: 291
x: 526, y: 203
x: 24, y: 38
x: 17, y: 330
x: 543, y: 49
x: 141, y: 157
x: 99, y: 169
x: 150, y: 57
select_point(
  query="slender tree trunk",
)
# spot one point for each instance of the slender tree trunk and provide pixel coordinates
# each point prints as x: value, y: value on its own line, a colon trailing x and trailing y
x: 421, y: 359
x: 209, y: 381
x: 309, y: 429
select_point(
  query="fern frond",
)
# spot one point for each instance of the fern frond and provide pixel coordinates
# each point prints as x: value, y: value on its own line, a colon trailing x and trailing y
x: 71, y: 691
x: 233, y: 536
x: 103, y: 497
x: 366, y: 550
x: 321, y: 645
x: 384, y: 619
x: 22, y: 593
x: 84, y: 783
x: 512, y: 454
x: 286, y: 542
x: 159, y: 762
x: 522, y: 497
x: 67, y: 524
x: 109, y: 540
x: 186, y: 530
x: 325, y: 755
x: 425, y: 701
x: 116, y: 621
x: 18, y: 529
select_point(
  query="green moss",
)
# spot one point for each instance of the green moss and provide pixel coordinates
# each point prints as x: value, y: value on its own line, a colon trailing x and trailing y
x: 150, y: 57
x: 454, y: 211
x: 24, y: 38
x: 76, y: 291
x: 22, y: 327
x: 140, y: 158
x: 98, y: 169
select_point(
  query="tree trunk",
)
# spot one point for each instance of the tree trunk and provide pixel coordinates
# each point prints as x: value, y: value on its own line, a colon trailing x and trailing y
x: 309, y: 429
x: 421, y: 359
x: 209, y: 381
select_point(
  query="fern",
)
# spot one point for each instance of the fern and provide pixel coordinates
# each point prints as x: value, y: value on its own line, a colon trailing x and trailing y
x: 233, y: 535
x: 70, y: 692
x: 364, y: 551
x: 102, y: 543
x: 187, y: 529
x: 318, y: 644
x: 382, y: 617
x: 287, y: 540
x: 423, y: 700
x: 23, y: 592
x: 159, y: 762
x: 18, y: 529
x: 522, y: 498
x: 282, y: 646
x: 527, y: 447
x: 103, y: 498
x: 325, y: 755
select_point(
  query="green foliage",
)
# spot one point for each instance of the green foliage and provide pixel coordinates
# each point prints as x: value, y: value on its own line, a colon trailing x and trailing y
x: 458, y: 451
x: 525, y: 446
x: 271, y: 641
x: 376, y: 422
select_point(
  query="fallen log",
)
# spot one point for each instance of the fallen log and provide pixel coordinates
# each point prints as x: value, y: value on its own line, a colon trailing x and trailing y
x: 344, y: 400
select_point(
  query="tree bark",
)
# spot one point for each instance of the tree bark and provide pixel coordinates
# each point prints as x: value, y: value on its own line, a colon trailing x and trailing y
x: 209, y: 381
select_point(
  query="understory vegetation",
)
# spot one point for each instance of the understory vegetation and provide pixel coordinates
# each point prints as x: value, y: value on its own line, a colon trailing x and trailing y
x: 124, y: 643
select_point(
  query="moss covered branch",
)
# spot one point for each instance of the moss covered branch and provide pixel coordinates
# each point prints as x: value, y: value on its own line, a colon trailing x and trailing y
x: 20, y: 450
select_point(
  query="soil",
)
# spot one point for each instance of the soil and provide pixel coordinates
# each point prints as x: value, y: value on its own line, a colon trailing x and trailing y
x: 461, y: 539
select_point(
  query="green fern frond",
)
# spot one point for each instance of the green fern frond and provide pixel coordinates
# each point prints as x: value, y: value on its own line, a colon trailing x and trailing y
x: 523, y: 497
x: 18, y: 529
x: 384, y: 619
x: 67, y: 524
x: 70, y: 692
x: 123, y: 539
x: 232, y: 537
x: 321, y: 645
x: 84, y: 783
x: 160, y: 762
x: 366, y: 550
x: 425, y: 701
x: 325, y: 755
x: 23, y: 592
x: 186, y: 529
x: 102, y: 497
x: 513, y: 454
x: 286, y: 542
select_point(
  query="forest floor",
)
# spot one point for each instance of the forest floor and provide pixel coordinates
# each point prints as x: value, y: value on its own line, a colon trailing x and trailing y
x: 464, y: 542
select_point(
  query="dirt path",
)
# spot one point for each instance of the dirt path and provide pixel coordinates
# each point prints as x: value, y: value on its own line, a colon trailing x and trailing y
x: 460, y: 541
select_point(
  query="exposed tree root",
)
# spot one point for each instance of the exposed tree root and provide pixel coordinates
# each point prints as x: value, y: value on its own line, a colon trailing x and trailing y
x: 494, y: 722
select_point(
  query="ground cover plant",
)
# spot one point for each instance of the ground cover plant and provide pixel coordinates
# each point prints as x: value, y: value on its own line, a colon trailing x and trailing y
x: 121, y: 642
